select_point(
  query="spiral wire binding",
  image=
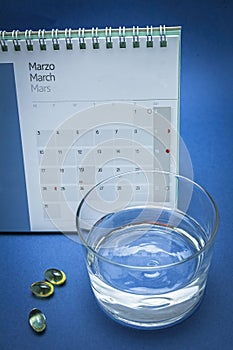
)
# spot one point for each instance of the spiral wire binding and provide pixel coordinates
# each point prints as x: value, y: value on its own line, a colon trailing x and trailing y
x: 82, y: 35
x: 95, y: 40
x: 136, y: 42
x: 68, y: 39
x: 122, y: 40
x: 55, y: 41
x: 28, y: 40
x: 108, y: 38
x: 163, y: 38
x: 15, y: 40
x: 149, y: 36
x: 41, y: 37
x: 3, y: 44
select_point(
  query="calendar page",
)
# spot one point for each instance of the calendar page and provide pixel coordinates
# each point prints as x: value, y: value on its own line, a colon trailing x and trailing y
x: 86, y: 115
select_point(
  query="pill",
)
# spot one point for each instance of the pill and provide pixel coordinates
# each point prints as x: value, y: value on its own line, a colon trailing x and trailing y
x: 55, y: 276
x: 42, y: 289
x: 37, y: 320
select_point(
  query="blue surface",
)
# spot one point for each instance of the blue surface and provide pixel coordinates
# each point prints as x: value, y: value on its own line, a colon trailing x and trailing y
x: 74, y: 319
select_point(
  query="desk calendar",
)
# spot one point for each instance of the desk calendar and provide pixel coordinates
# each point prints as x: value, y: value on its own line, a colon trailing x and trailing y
x: 91, y: 104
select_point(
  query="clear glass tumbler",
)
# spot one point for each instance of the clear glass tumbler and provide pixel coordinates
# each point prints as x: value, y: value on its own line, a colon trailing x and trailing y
x: 148, y: 239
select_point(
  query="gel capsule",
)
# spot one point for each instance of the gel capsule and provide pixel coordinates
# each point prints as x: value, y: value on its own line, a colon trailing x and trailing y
x: 42, y: 289
x: 37, y: 320
x: 55, y: 276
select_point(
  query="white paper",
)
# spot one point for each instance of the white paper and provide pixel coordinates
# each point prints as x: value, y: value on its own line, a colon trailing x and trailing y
x: 71, y: 102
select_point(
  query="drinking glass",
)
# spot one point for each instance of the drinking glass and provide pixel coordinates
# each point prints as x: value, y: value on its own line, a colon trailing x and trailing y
x: 148, y: 240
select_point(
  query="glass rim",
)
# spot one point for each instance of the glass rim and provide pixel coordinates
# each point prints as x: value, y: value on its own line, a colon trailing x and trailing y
x: 159, y: 267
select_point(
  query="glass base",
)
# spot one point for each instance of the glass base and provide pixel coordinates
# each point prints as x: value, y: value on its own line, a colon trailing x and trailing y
x: 151, y: 325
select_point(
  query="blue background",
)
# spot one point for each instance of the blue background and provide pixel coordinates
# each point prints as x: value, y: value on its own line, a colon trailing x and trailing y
x: 74, y: 319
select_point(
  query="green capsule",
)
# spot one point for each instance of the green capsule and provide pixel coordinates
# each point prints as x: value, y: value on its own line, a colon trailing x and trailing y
x: 42, y: 289
x: 37, y: 320
x: 55, y: 276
